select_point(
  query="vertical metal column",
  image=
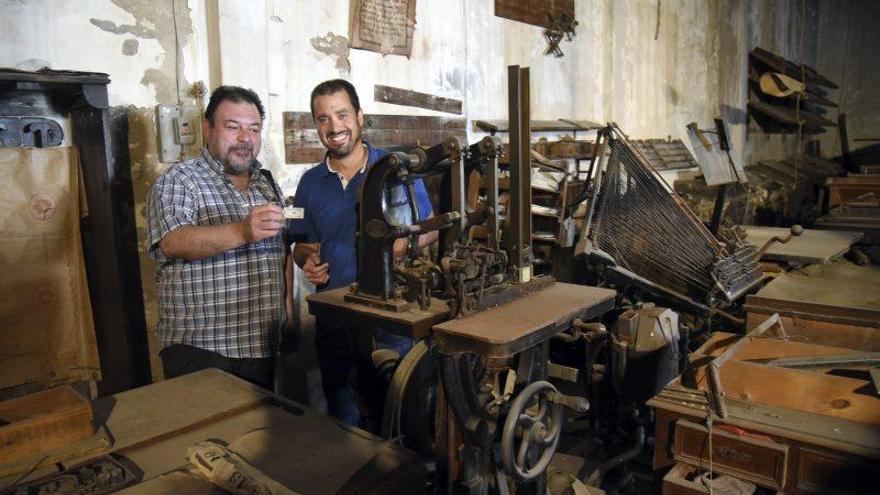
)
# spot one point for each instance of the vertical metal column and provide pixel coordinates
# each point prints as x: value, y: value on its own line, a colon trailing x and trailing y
x: 519, y: 215
x: 492, y: 189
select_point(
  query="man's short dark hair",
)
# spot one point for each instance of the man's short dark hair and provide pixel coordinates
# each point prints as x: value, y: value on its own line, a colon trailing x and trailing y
x: 235, y: 94
x: 327, y: 88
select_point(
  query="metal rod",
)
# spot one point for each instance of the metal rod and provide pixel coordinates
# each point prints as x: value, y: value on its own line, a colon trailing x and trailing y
x: 519, y: 218
x: 492, y: 191
x: 718, y: 212
x: 717, y: 388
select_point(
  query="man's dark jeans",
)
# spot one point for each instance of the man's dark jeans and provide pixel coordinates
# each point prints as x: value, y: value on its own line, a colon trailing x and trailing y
x: 340, y: 352
x: 181, y: 359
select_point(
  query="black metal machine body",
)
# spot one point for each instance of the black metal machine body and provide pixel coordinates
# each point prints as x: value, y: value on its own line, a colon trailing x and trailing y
x: 468, y: 275
x: 379, y: 228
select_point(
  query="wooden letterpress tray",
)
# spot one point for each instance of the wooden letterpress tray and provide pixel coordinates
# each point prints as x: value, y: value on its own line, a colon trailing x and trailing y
x: 41, y: 421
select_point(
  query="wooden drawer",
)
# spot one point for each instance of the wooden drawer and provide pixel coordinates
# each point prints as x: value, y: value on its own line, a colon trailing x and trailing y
x: 676, y: 483
x: 827, y: 473
x: 760, y: 461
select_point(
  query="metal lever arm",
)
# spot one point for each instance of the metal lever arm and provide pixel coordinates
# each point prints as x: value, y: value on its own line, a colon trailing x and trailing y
x: 796, y: 231
x: 572, y: 402
x: 434, y: 223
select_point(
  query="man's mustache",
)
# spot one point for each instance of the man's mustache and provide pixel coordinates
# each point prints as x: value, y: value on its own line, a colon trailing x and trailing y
x: 242, y: 147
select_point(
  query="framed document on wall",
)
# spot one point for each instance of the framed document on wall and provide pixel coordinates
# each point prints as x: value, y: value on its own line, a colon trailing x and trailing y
x: 384, y: 26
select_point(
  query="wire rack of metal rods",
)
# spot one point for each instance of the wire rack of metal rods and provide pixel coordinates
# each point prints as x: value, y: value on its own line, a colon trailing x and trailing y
x: 649, y: 231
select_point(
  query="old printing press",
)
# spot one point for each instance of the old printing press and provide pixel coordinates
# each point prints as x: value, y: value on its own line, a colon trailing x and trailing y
x: 483, y: 321
x: 474, y: 393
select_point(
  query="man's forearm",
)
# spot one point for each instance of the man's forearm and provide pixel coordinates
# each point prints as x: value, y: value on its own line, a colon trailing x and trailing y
x: 302, y: 251
x: 193, y: 242
x: 428, y: 238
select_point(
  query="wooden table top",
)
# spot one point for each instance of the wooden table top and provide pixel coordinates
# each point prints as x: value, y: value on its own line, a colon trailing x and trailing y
x: 152, y: 427
x: 414, y: 322
x: 512, y: 327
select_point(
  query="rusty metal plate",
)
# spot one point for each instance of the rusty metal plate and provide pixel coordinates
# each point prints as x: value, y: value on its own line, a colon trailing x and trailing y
x: 813, y: 246
x: 510, y: 328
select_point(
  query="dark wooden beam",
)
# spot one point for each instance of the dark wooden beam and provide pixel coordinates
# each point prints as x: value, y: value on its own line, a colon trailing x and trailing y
x: 535, y: 12
x: 406, y: 97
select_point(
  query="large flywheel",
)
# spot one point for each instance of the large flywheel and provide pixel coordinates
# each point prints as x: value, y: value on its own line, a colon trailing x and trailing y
x: 410, y: 401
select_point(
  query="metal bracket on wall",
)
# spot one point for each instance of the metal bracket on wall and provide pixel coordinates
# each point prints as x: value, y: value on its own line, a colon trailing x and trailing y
x: 29, y: 132
x: 561, y: 27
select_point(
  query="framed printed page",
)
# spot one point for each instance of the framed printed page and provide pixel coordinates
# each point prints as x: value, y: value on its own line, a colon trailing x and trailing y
x: 384, y: 26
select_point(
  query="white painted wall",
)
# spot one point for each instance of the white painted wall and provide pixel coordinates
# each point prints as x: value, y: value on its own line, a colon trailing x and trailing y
x: 614, y: 69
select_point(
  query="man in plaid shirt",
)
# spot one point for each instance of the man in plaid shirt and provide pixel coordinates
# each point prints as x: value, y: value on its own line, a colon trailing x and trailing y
x: 217, y: 229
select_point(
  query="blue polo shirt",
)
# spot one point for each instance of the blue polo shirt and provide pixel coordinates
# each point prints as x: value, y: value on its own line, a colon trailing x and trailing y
x: 330, y: 216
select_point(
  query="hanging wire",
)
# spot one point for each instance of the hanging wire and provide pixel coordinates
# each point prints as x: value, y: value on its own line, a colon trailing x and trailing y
x: 797, y: 105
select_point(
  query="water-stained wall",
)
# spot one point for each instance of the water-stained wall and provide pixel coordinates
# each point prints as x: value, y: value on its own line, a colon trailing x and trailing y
x: 651, y: 65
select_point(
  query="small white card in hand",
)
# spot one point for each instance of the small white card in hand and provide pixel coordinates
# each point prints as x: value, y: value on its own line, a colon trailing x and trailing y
x: 292, y: 212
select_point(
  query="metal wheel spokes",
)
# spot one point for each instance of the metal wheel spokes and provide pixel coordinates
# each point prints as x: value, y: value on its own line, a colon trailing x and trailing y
x: 537, y: 433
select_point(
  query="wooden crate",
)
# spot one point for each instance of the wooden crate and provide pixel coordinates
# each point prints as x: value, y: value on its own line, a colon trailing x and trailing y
x: 41, y: 421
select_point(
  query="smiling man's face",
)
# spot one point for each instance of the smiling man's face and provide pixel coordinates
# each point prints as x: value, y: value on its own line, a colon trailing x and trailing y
x: 234, y: 136
x: 339, y: 125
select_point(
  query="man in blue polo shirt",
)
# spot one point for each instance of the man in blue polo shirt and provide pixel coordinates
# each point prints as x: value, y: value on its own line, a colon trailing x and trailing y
x: 325, y: 235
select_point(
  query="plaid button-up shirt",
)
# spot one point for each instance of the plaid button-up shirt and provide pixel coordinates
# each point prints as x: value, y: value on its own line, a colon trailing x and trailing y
x: 231, y: 303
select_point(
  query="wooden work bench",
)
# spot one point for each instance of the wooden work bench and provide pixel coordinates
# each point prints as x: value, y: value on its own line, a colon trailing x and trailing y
x: 836, y: 304
x: 150, y: 429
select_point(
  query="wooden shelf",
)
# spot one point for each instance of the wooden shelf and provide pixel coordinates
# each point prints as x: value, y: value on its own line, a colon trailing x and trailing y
x: 544, y: 214
x: 560, y: 125
x: 544, y: 237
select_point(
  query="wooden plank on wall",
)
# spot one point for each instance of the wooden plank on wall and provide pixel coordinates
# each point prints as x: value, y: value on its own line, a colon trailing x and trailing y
x: 409, y: 98
x: 535, y: 12
x: 302, y: 145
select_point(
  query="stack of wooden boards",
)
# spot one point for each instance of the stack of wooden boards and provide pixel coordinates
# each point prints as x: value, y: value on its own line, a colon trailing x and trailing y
x: 785, y: 97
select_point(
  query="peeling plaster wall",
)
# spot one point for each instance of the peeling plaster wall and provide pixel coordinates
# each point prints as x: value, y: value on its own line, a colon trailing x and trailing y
x: 62, y: 34
x: 615, y: 69
x: 652, y: 71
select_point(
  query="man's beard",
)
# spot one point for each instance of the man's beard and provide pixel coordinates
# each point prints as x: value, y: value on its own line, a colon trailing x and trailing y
x: 238, y: 168
x: 340, y: 153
